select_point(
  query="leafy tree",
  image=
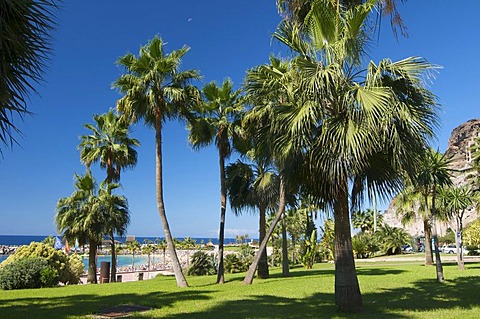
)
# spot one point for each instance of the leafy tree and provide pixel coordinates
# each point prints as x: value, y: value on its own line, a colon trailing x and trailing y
x: 26, y: 45
x: 327, y: 243
x: 361, y: 128
x: 218, y: 122
x: 454, y: 201
x: 156, y: 90
x: 110, y: 145
x: 472, y: 234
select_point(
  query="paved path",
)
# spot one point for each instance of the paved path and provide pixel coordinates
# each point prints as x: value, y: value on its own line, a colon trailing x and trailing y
x: 133, y: 276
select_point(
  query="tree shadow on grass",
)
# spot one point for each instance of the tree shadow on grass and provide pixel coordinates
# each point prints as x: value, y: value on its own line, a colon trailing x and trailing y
x: 87, y: 304
x: 425, y: 295
x: 395, y: 303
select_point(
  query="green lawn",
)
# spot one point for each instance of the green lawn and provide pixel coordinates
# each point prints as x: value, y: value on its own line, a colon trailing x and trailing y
x: 389, y: 291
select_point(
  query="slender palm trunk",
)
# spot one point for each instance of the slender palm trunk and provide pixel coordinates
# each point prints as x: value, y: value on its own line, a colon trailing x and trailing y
x: 177, y: 269
x: 281, y: 209
x: 113, y: 271
x: 133, y: 260
x: 92, y: 263
x: 221, y: 232
x: 347, y: 290
x: 263, y: 271
x: 459, y: 242
x: 285, y: 266
x: 427, y: 230
x: 438, y: 261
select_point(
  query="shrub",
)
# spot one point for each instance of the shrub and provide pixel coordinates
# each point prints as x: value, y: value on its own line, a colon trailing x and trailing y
x: 27, y: 273
x: 365, y: 245
x: 56, y: 259
x: 234, y: 263
x: 202, y: 264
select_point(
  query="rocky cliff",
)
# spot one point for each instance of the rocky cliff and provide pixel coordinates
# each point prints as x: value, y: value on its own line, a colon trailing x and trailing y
x: 459, y: 144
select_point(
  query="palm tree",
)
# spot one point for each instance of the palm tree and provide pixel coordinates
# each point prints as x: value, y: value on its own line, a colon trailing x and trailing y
x: 253, y: 186
x: 393, y: 238
x: 218, y: 122
x: 156, y: 90
x: 26, y: 44
x: 363, y: 127
x: 117, y: 218
x: 79, y: 217
x: 364, y: 219
x: 454, y: 201
x: 133, y: 246
x: 110, y: 145
x: 432, y: 172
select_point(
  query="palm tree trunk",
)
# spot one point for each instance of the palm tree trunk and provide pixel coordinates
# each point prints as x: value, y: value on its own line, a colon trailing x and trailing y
x: 459, y: 242
x: 263, y: 271
x: 113, y: 271
x: 92, y: 263
x: 347, y: 290
x: 428, y: 243
x: 281, y: 209
x: 177, y: 269
x: 285, y: 267
x: 223, y: 204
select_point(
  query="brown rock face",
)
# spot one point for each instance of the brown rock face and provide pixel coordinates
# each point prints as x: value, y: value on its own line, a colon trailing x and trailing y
x: 461, y: 139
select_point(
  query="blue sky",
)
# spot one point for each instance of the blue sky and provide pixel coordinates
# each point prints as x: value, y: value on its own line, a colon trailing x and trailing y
x: 226, y: 39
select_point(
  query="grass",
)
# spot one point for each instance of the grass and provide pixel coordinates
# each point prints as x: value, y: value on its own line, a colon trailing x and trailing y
x: 389, y: 291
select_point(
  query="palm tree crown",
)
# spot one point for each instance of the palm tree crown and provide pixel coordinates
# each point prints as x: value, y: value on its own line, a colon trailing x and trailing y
x: 109, y: 144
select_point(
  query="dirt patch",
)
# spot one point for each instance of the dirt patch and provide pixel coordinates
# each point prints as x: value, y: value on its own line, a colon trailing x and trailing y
x: 120, y: 311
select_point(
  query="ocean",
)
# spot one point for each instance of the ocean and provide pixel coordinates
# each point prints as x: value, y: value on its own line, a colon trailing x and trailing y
x: 18, y: 240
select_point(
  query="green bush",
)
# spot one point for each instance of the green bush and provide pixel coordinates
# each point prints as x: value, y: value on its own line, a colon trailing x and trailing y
x: 202, y: 264
x: 27, y: 273
x: 68, y: 269
x: 365, y: 245
x: 234, y: 263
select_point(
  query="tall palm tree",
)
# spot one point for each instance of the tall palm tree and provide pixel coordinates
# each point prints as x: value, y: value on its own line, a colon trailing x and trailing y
x: 454, y: 201
x: 156, y: 90
x: 364, y: 127
x: 218, y: 122
x: 253, y: 186
x: 268, y: 87
x: 26, y: 45
x: 110, y: 145
x: 79, y: 218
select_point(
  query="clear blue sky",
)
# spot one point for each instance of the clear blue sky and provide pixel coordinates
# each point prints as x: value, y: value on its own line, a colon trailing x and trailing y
x: 226, y: 38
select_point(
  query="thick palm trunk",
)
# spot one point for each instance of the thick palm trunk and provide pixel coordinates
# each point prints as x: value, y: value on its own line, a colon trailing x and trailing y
x: 281, y: 209
x: 113, y: 271
x: 459, y: 242
x: 285, y: 266
x: 177, y: 269
x: 92, y: 263
x: 263, y: 271
x: 347, y: 290
x: 221, y: 233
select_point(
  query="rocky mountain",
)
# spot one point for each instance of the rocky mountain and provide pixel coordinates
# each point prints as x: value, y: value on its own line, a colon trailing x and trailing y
x: 461, y: 139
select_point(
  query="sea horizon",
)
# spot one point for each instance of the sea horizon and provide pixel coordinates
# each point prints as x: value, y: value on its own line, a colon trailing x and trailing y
x: 19, y: 240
